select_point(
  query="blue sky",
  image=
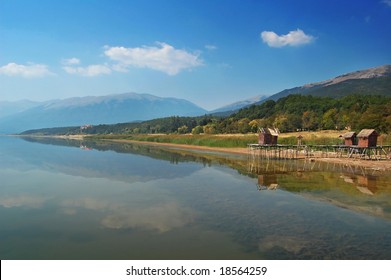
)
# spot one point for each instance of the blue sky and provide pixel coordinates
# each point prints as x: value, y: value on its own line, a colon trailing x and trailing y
x: 211, y: 52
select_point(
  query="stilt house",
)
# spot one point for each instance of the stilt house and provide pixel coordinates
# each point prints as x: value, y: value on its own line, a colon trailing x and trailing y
x: 267, y: 136
x: 350, y: 138
x: 367, y: 138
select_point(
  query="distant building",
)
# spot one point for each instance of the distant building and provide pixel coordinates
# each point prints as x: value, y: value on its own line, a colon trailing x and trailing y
x: 267, y: 136
x: 367, y: 138
x: 85, y: 126
x: 350, y: 138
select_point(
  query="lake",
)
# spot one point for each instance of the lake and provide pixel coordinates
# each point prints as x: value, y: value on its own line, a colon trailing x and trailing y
x: 68, y: 199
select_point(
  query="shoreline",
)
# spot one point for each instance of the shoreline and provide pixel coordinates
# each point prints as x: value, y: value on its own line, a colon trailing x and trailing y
x: 236, y: 151
x: 377, y: 165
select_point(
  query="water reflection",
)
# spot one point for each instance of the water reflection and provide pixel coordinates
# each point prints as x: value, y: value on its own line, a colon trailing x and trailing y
x: 100, y: 200
x: 164, y: 217
x: 257, y: 165
x: 340, y: 184
x: 365, y: 184
x: 172, y: 155
x: 27, y: 201
x: 267, y: 182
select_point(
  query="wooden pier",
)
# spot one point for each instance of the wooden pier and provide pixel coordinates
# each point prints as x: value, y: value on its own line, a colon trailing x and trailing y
x: 319, y: 151
x: 277, y: 151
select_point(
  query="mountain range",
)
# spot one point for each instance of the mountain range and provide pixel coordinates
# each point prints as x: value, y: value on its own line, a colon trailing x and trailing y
x: 372, y: 81
x: 95, y: 110
x: 23, y: 115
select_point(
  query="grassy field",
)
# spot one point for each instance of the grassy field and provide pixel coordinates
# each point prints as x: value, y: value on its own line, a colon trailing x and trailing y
x: 323, y: 137
x: 327, y: 137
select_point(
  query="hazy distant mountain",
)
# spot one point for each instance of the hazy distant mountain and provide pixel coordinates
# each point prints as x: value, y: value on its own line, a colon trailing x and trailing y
x: 373, y: 81
x: 230, y: 108
x: 98, y: 110
x: 8, y: 108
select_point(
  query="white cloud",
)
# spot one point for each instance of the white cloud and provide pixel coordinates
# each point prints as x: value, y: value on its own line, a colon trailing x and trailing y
x: 164, y: 58
x: 26, y: 71
x: 293, y: 38
x: 71, y: 61
x: 88, y: 71
x: 387, y: 2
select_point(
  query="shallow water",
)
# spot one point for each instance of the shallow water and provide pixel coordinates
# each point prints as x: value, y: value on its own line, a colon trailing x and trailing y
x: 63, y: 199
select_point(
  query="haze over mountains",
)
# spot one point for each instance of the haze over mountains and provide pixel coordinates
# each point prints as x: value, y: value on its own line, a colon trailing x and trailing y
x: 16, y: 117
x: 8, y: 108
x: 240, y: 104
x: 97, y: 110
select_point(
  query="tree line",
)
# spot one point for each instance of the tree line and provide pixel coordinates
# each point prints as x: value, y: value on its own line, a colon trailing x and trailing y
x: 291, y: 113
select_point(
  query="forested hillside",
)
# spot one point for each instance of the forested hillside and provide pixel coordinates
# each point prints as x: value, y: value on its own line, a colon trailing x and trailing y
x: 372, y: 81
x: 291, y: 113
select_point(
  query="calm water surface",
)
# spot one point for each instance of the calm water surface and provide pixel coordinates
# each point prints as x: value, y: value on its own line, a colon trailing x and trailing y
x: 82, y: 200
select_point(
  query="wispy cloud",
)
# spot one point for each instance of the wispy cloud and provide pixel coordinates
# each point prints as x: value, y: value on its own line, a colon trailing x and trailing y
x: 26, y: 71
x: 293, y: 38
x: 210, y: 47
x: 163, y: 57
x: 387, y: 2
x: 70, y: 61
x: 70, y: 66
x: 88, y: 71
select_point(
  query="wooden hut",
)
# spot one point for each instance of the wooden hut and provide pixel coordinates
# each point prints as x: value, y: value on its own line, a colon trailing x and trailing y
x: 350, y: 138
x: 367, y: 138
x: 267, y: 136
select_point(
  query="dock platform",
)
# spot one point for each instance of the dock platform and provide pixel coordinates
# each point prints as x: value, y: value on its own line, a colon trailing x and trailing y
x: 317, y: 151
